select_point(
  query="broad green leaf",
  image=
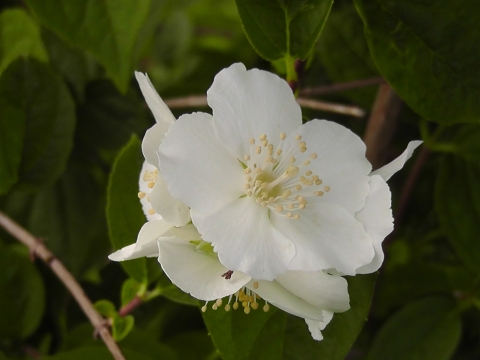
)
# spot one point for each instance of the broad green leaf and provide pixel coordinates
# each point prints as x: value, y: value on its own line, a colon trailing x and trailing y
x: 427, y: 329
x: 109, y: 29
x: 22, y: 292
x: 240, y: 336
x: 122, y: 326
x: 344, y: 53
x: 105, y: 308
x: 283, y: 28
x: 12, y: 128
x: 200, y: 345
x: 69, y: 216
x: 466, y: 143
x: 37, y: 92
x: 124, y: 212
x: 429, y: 52
x: 457, y: 201
x: 107, y: 119
x: 77, y: 66
x: 19, y: 36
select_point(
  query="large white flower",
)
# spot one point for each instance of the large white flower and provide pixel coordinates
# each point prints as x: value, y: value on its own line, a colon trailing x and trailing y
x: 194, y: 267
x: 271, y: 194
x: 154, y: 195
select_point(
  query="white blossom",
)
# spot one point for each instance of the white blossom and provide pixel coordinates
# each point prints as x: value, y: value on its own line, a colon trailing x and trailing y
x: 272, y: 194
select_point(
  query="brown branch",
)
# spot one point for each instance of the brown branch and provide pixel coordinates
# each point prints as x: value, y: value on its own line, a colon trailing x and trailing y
x: 39, y: 249
x: 381, y: 124
x: 348, y: 85
x: 201, y: 101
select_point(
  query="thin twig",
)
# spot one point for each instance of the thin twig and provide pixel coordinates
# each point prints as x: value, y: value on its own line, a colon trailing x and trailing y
x: 201, y: 101
x: 127, y: 309
x: 348, y: 85
x: 39, y: 249
x: 381, y: 124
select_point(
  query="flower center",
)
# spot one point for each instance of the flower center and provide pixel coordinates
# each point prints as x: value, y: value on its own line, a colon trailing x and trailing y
x: 245, y: 296
x: 280, y: 178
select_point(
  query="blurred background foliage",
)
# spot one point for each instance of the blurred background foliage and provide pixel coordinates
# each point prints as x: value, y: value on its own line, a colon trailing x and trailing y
x: 71, y: 116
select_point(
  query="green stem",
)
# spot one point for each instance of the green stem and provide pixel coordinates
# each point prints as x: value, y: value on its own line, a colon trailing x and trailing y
x: 290, y: 66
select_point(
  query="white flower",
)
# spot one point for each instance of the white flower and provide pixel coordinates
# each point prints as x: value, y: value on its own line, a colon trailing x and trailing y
x: 156, y: 200
x: 271, y: 194
x: 194, y: 267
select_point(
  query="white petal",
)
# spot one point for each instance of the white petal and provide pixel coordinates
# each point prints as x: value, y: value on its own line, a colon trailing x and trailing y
x: 318, y: 288
x: 316, y: 327
x: 172, y: 210
x: 248, y: 104
x: 245, y: 240
x: 197, y: 168
x: 195, y: 273
x: 391, y: 168
x: 340, y: 163
x: 326, y: 236
x: 279, y: 296
x: 144, y: 188
x: 377, y: 219
x: 160, y: 110
x: 152, y: 140
x: 146, y: 244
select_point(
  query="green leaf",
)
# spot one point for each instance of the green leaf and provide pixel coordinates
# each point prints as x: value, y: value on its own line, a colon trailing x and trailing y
x: 105, y: 308
x: 22, y: 292
x: 429, y: 52
x: 457, y: 202
x: 109, y: 29
x: 427, y: 329
x: 122, y: 326
x: 37, y: 92
x: 283, y: 28
x: 19, y: 36
x: 124, y: 212
x: 467, y: 143
x: 240, y: 336
x: 107, y: 119
x: 77, y: 66
x: 130, y: 289
x: 344, y: 53
x: 69, y: 216
x: 12, y: 128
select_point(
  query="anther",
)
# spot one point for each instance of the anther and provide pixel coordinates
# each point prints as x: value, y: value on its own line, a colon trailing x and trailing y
x: 290, y: 206
x: 254, y: 305
x: 141, y: 195
x: 204, y: 308
x: 313, y: 156
x: 247, y: 170
x: 302, y: 144
x: 303, y: 178
x: 326, y: 188
x: 151, y: 212
x: 318, y: 193
x: 252, y: 141
x: 286, y: 194
x: 258, y: 149
x: 306, y: 162
x: 296, y: 217
x: 235, y: 305
x: 266, y: 307
x: 246, y: 310
x: 298, y: 137
x: 151, y: 184
x: 214, y: 307
x: 265, y: 143
x: 246, y: 157
x: 318, y: 182
x: 255, y: 284
x: 303, y: 149
x: 315, y: 177
x: 308, y: 173
x: 292, y: 160
x: 289, y: 215
x: 279, y: 208
x: 298, y: 187
x: 283, y: 136
x: 301, y: 206
x: 227, y: 307
x: 219, y: 302
x: 279, y: 152
x: 263, y: 137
